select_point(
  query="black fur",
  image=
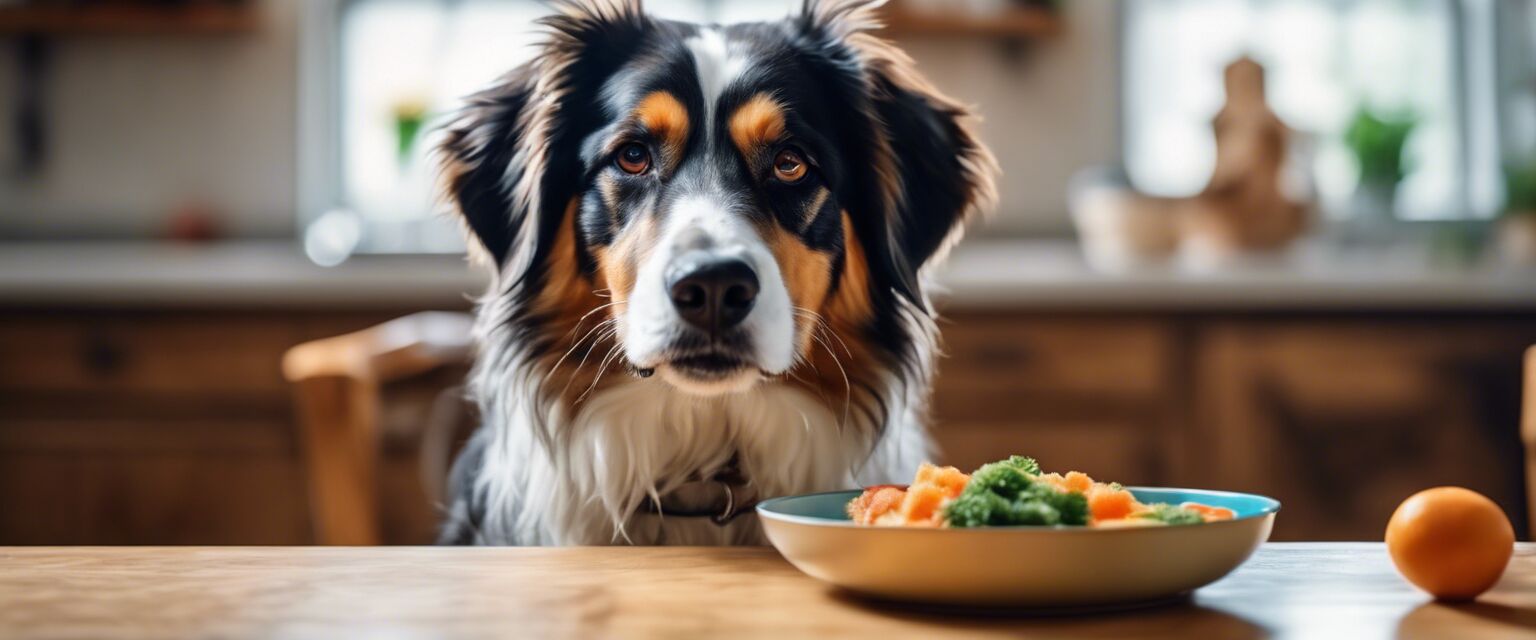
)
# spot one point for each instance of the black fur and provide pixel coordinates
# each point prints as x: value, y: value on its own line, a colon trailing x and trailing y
x: 845, y: 112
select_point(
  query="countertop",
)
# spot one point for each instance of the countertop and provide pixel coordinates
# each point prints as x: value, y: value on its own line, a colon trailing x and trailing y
x: 985, y: 274
x: 1287, y: 590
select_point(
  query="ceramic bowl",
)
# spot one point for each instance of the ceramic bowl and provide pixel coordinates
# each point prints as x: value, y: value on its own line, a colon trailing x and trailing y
x: 1018, y: 566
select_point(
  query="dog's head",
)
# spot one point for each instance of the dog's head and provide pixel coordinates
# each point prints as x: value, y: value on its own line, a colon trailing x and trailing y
x: 719, y: 195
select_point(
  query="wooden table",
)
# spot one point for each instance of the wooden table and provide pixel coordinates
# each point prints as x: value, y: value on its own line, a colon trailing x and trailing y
x: 1287, y: 590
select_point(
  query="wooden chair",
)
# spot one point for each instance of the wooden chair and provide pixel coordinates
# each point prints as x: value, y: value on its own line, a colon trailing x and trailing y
x: 1528, y: 436
x: 337, y: 386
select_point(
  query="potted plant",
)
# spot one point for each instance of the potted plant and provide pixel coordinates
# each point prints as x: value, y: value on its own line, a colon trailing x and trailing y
x: 1377, y: 143
x: 1517, y: 225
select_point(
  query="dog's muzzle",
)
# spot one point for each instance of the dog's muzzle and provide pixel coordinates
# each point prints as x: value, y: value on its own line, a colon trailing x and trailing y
x: 711, y: 292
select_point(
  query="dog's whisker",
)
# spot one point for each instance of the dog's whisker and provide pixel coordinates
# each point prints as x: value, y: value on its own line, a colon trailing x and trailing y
x: 606, y: 334
x: 847, y: 385
x: 596, y: 309
x: 579, y: 321
x: 598, y: 329
x: 822, y: 323
x: 600, y: 371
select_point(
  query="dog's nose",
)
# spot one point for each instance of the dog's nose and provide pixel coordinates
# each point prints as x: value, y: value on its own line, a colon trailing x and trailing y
x: 712, y: 292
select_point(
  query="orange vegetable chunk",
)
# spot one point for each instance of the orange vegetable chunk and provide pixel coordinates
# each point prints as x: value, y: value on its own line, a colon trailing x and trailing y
x: 1108, y: 503
x: 922, y: 503
x: 1077, y: 481
x: 951, y: 480
x: 876, y: 501
x: 1209, y: 513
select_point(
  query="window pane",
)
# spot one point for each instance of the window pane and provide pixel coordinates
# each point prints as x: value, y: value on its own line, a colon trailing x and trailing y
x: 405, y: 61
x: 1325, y: 60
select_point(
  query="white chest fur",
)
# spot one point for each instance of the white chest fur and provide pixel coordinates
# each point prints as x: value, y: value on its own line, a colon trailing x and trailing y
x: 639, y: 440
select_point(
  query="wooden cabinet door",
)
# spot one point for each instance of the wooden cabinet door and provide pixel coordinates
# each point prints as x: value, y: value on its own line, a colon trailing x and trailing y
x: 1092, y: 393
x: 1343, y: 419
x: 157, y: 427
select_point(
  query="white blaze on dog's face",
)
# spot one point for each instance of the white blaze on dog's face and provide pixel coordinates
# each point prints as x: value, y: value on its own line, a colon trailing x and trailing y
x: 726, y: 198
x: 705, y: 233
x: 710, y: 187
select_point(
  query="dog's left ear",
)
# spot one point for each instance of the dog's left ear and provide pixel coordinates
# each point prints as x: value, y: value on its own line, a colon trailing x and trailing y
x: 931, y: 171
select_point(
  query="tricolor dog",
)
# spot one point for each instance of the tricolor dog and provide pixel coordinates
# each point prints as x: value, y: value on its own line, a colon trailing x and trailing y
x: 709, y: 244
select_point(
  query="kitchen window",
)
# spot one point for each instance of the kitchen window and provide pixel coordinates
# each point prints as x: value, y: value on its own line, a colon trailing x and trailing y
x: 381, y: 75
x: 1431, y: 65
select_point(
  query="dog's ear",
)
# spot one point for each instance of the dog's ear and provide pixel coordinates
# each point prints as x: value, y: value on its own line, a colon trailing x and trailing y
x: 926, y: 164
x: 509, y: 161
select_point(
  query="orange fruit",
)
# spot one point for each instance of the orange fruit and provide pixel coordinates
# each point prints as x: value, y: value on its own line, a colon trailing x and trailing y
x: 1452, y: 542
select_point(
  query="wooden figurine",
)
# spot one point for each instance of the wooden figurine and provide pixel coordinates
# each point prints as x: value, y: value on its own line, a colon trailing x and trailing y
x: 1242, y: 209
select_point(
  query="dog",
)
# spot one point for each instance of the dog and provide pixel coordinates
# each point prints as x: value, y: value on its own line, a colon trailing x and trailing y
x: 709, y: 245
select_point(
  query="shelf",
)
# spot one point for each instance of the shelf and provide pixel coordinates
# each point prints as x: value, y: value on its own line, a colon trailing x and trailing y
x: 1015, y: 23
x: 128, y: 20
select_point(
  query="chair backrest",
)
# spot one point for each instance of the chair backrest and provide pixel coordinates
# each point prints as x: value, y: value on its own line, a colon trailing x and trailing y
x: 337, y: 384
x: 1528, y: 435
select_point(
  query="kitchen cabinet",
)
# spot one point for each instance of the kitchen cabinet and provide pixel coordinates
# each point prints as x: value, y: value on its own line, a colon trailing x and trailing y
x: 1344, y: 418
x: 1340, y: 416
x: 154, y: 426
x: 1093, y: 394
x: 162, y: 425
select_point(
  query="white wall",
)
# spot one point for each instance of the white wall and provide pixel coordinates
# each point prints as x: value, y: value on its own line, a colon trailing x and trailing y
x: 138, y: 125
x: 1047, y: 114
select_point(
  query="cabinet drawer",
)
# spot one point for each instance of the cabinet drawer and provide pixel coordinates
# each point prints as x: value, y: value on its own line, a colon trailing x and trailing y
x: 160, y: 354
x: 1105, y: 449
x: 1000, y: 366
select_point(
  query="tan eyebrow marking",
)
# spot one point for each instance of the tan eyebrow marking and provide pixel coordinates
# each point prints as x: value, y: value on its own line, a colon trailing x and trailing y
x: 664, y: 116
x: 817, y: 202
x: 758, y: 121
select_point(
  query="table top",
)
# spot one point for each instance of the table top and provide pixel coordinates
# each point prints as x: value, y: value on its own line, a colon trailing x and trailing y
x: 1302, y: 590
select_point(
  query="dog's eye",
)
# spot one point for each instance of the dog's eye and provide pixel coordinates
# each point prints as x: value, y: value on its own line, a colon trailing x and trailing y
x: 634, y: 158
x: 788, y: 166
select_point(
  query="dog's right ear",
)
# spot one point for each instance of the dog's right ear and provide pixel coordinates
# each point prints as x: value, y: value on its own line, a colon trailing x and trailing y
x: 509, y: 163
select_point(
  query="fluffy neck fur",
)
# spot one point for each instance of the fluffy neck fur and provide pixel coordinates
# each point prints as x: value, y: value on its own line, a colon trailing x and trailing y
x: 636, y: 440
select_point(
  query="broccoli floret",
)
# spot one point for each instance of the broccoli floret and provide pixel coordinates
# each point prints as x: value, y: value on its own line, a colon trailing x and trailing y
x: 977, y: 509
x: 987, y: 509
x: 1172, y: 515
x: 1025, y: 464
x: 1034, y: 512
x: 1072, y: 506
x: 1006, y: 493
x: 1001, y: 478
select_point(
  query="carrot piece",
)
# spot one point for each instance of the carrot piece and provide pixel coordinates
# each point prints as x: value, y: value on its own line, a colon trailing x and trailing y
x: 1077, y: 481
x: 1107, y: 503
x: 950, y: 479
x: 922, y: 503
x: 1052, y: 480
x: 876, y: 501
x: 1210, y: 513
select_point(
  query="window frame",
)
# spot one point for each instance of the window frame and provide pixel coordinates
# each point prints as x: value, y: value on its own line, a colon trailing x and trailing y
x: 1478, y: 107
x: 320, y: 183
x: 321, y: 186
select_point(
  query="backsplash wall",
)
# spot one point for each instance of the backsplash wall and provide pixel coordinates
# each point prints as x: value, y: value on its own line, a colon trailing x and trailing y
x: 139, y: 125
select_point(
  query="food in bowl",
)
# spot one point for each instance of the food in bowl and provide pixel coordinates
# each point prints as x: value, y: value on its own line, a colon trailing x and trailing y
x: 1015, y: 492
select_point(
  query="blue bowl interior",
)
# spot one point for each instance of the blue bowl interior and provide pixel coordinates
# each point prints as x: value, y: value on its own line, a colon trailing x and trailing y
x: 832, y: 507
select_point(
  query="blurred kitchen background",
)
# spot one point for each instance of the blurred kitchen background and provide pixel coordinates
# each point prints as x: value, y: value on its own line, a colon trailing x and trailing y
x: 1283, y: 246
